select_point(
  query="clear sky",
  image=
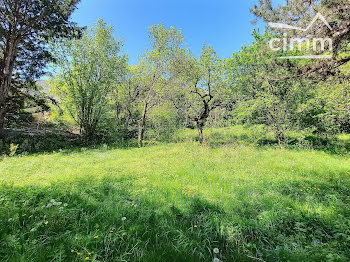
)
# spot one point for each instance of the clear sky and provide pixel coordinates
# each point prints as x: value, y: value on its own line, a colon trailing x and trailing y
x: 224, y: 24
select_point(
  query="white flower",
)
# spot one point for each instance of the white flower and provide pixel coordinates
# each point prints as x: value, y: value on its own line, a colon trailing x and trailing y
x: 123, y: 218
x: 216, y: 260
x: 216, y: 250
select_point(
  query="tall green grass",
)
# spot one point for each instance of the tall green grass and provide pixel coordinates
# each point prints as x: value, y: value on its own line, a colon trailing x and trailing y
x: 259, y: 135
x: 176, y: 202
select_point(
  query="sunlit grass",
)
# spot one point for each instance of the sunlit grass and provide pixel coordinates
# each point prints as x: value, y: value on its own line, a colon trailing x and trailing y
x: 180, y: 202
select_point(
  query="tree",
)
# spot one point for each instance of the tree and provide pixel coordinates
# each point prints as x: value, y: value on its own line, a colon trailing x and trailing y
x: 329, y: 109
x: 87, y: 72
x: 199, y: 87
x: 263, y: 88
x: 151, y: 75
x: 300, y: 13
x: 25, y: 27
x: 23, y: 101
x: 148, y: 82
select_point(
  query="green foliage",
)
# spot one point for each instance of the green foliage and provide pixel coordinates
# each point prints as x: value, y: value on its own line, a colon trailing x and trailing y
x: 265, y: 90
x: 13, y: 149
x: 26, y: 27
x: 239, y: 196
x: 145, y: 85
x: 198, y: 87
x: 87, y: 72
x: 163, y: 123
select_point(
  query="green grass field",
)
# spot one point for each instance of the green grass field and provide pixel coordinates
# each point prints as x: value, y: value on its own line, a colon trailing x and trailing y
x: 176, y: 202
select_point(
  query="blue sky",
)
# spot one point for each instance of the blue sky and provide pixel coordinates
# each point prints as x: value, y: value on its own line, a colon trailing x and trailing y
x: 224, y: 24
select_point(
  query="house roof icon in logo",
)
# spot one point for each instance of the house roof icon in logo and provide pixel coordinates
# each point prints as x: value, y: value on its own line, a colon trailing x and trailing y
x: 318, y: 16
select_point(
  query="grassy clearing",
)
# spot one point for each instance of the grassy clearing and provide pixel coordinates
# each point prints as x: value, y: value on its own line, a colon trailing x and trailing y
x: 176, y: 202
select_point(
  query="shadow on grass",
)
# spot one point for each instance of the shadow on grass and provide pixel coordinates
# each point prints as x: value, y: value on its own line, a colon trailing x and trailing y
x: 105, y: 221
x: 41, y: 142
x: 331, y: 145
x: 115, y: 220
x: 33, y: 143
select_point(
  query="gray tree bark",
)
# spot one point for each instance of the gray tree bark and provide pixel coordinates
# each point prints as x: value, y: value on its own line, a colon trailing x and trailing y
x: 142, y: 127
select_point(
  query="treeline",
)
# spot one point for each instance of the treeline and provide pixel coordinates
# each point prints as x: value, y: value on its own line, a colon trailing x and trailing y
x: 93, y: 88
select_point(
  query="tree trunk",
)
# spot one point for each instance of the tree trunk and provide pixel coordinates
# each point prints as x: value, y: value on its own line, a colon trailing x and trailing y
x: 142, y: 127
x: 117, y: 107
x: 5, y: 83
x: 202, y: 120
x: 280, y: 138
x: 2, y: 120
x: 6, y: 70
x: 200, y: 126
